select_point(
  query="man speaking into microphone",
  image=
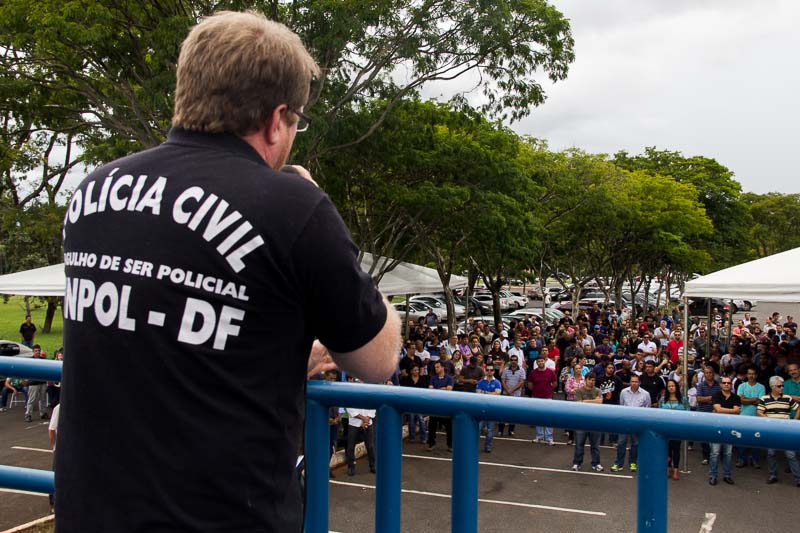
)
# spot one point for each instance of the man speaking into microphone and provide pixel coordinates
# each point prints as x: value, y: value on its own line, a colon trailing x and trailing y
x: 198, y: 278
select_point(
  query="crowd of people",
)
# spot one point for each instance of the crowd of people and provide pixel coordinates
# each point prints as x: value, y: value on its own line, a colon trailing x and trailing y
x: 743, y: 369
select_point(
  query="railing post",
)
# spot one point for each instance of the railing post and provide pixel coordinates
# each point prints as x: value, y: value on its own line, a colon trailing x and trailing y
x: 317, y: 467
x: 652, y: 483
x: 464, y: 503
x: 390, y: 470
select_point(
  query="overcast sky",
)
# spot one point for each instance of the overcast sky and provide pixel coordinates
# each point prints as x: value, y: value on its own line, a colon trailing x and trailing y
x: 718, y: 78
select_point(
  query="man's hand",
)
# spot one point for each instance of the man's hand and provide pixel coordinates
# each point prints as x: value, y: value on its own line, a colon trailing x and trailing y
x: 300, y: 171
x: 320, y: 360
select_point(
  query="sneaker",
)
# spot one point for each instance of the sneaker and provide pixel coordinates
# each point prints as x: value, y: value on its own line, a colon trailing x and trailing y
x: 756, y: 465
x: 575, y: 468
x: 44, y: 416
x: 510, y: 433
x: 741, y: 464
x: 712, y: 481
x: 570, y: 443
x: 728, y: 480
x: 372, y: 469
x: 536, y: 440
x: 431, y: 447
x: 487, y: 450
x: 704, y: 462
x: 351, y: 471
x: 633, y: 467
x: 615, y: 468
x: 597, y: 468
x: 772, y: 480
x: 28, y: 418
x: 551, y: 442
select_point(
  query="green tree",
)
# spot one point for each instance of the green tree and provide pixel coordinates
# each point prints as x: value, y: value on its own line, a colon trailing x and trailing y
x: 717, y: 190
x: 775, y: 222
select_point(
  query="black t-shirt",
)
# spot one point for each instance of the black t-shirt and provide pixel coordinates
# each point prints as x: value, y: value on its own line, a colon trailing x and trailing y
x: 727, y: 403
x: 610, y: 387
x: 197, y: 279
x: 27, y: 331
x: 406, y: 363
x: 653, y: 384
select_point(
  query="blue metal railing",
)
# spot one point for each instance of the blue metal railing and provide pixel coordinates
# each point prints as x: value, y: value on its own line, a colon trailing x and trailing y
x: 653, y: 426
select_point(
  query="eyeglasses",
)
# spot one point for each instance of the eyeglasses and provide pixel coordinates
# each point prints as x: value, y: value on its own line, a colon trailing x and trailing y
x: 726, y: 383
x: 779, y: 386
x: 303, y: 120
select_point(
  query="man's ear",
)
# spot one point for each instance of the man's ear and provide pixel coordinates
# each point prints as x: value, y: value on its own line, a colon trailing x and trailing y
x: 273, y: 126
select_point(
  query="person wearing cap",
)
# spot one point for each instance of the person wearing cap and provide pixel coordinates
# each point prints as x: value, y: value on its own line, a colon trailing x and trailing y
x: 724, y: 402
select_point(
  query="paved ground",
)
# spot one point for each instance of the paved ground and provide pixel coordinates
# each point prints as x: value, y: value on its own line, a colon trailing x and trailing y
x: 526, y: 487
x: 23, y: 444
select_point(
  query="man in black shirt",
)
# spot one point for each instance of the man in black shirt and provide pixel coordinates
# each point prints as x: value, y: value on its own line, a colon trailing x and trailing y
x: 726, y: 402
x: 27, y: 330
x: 652, y: 382
x: 185, y: 258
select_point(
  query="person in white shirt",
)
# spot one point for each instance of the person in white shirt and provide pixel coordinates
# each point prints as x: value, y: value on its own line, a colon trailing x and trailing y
x: 648, y: 348
x: 360, y: 422
x: 661, y: 333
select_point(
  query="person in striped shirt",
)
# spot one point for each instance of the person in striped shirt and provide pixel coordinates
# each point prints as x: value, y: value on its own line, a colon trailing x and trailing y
x: 777, y: 405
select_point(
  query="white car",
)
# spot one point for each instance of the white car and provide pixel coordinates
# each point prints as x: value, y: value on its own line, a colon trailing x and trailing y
x: 505, y: 302
x: 438, y: 304
x: 417, y: 311
x: 515, y: 299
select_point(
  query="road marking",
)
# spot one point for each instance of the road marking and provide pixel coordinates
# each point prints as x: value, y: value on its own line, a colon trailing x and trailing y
x: 26, y: 527
x: 15, y: 491
x: 542, y: 468
x: 708, y: 523
x: 514, y: 439
x: 31, y: 449
x: 482, y: 500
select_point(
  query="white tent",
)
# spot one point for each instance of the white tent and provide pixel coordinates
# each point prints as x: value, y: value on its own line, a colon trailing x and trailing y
x: 772, y: 279
x: 405, y: 278
x: 45, y: 281
x: 408, y: 278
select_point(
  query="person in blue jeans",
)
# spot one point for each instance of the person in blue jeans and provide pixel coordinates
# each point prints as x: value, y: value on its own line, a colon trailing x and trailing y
x: 632, y: 396
x: 489, y: 385
x: 587, y: 394
x: 417, y: 380
x: 724, y: 402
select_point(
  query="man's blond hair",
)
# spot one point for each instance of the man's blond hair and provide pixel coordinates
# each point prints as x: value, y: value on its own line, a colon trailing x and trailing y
x: 234, y: 69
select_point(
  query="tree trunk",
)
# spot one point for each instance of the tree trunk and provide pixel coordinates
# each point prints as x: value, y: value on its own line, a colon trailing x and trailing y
x: 52, y: 305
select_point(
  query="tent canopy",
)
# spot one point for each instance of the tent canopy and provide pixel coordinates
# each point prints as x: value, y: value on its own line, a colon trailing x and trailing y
x: 45, y: 281
x: 775, y: 278
x: 405, y: 278
x: 408, y: 278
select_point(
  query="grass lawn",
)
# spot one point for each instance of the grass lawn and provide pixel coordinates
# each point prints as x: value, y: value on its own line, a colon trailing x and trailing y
x: 12, y: 314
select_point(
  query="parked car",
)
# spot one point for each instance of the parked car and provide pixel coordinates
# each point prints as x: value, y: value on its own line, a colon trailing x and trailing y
x: 476, y: 307
x: 699, y: 306
x: 505, y: 302
x: 485, y: 299
x: 437, y: 302
x: 517, y: 299
x: 417, y: 311
x: 13, y: 349
x: 550, y: 314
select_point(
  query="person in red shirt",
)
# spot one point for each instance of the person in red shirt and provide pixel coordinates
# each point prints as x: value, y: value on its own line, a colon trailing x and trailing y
x: 674, y: 347
x: 541, y: 382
